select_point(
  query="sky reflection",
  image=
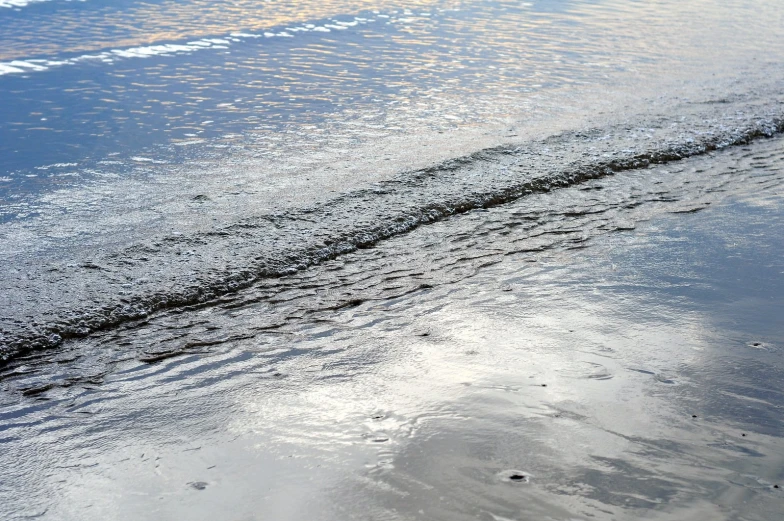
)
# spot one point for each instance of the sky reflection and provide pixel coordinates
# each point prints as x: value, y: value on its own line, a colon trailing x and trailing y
x: 86, y: 93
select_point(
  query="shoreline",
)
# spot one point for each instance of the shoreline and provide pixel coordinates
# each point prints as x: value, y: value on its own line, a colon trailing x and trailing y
x: 133, y: 282
x: 634, y: 375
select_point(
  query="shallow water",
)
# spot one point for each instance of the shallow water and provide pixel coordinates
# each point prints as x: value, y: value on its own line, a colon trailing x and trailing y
x: 96, y: 91
x: 92, y: 89
x: 442, y: 260
x: 162, y: 154
x: 615, y: 343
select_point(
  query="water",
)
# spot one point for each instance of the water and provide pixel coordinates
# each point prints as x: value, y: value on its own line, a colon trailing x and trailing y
x: 94, y: 90
x: 616, y: 342
x: 332, y: 250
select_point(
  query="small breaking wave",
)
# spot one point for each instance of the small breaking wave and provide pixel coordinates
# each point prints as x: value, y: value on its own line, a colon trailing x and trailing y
x: 196, y: 269
x: 16, y: 4
x: 171, y: 49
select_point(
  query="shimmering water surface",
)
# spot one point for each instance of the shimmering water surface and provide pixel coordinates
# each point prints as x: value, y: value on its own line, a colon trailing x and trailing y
x: 101, y: 89
x: 605, y: 351
x: 336, y: 260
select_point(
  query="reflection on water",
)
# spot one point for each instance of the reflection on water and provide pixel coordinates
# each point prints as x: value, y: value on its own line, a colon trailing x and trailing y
x: 627, y: 376
x: 523, y: 362
x: 93, y: 89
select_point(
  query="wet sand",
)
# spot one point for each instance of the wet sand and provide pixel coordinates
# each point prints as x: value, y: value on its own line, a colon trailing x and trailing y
x: 343, y: 260
x: 631, y: 373
x: 196, y: 185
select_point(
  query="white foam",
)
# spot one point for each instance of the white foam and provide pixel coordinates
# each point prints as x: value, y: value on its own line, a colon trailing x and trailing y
x: 27, y: 65
x: 147, y: 51
x: 152, y: 50
x: 8, y: 69
x: 18, y: 3
x: 56, y: 165
x: 168, y: 49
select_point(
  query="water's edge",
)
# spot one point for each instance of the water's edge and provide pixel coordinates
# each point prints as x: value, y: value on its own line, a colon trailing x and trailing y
x: 72, y: 299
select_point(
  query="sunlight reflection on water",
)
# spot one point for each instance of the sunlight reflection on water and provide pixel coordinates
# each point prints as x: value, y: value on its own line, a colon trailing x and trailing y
x: 95, y: 84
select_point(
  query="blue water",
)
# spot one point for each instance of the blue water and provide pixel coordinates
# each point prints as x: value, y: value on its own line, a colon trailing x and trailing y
x: 96, y: 88
x: 192, y: 178
x: 181, y: 74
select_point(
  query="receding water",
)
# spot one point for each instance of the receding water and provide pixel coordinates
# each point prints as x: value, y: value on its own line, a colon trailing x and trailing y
x: 372, y: 260
x: 129, y: 124
x: 608, y: 351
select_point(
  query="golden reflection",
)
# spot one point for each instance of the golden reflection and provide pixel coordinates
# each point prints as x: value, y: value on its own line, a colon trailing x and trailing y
x: 110, y: 28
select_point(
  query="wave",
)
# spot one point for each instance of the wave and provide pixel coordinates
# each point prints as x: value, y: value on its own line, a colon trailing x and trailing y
x: 16, y: 4
x: 24, y: 66
x: 184, y: 270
